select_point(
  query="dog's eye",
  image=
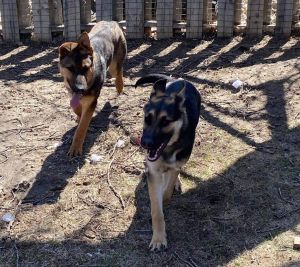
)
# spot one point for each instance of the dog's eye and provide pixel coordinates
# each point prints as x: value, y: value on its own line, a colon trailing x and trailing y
x: 148, y: 119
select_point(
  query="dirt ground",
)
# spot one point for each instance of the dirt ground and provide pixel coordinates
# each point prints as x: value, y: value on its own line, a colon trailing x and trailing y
x: 240, y: 204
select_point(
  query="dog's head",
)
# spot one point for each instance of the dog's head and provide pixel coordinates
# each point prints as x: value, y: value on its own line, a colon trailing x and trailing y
x: 164, y: 117
x: 76, y: 66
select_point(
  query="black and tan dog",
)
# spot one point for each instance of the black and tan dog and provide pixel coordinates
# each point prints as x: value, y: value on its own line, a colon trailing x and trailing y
x: 171, y: 117
x: 84, y: 64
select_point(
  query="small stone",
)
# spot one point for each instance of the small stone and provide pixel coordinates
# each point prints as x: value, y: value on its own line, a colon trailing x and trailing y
x: 120, y: 143
x: 95, y: 159
x: 90, y: 234
x: 8, y: 217
x: 296, y: 242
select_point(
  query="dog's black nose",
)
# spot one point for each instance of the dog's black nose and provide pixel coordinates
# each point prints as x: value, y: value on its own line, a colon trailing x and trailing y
x: 147, y: 142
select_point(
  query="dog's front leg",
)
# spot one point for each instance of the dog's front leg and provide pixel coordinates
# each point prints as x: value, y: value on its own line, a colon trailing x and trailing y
x: 156, y: 190
x: 88, y: 107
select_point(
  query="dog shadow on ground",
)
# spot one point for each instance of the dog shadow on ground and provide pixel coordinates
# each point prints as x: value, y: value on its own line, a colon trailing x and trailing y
x: 57, y: 168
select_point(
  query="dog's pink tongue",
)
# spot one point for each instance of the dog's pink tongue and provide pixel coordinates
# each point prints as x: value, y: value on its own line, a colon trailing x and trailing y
x: 75, y: 101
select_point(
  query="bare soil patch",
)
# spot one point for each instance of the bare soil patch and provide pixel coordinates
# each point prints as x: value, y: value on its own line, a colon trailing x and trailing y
x: 241, y: 187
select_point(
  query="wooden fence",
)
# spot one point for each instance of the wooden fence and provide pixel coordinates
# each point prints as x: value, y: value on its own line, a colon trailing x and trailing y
x: 43, y: 19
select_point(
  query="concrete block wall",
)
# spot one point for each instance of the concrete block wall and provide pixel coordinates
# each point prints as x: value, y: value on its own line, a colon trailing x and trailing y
x: 255, y: 17
x: 284, y: 17
x: 194, y: 18
x: 47, y: 16
x: 225, y: 18
x: 72, y: 25
x: 164, y: 17
x: 104, y: 9
x: 41, y: 20
x: 134, y: 18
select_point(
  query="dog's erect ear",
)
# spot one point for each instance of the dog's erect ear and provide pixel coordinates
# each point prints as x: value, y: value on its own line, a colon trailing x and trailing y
x: 66, y: 48
x: 160, y: 87
x: 178, y: 91
x: 84, y: 41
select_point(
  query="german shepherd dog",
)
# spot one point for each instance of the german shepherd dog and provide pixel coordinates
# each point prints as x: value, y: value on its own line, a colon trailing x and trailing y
x: 170, y: 120
x: 83, y: 65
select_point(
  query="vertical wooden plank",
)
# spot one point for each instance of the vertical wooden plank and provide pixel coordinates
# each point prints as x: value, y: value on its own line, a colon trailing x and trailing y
x: 177, y: 10
x: 194, y: 27
x: 10, y: 23
x: 134, y: 18
x: 41, y: 20
x: 85, y: 11
x: 71, y: 19
x: 296, y: 10
x: 164, y: 17
x: 148, y: 10
x: 225, y: 18
x: 267, y: 12
x: 24, y: 13
x: 255, y: 16
x: 56, y: 13
x: 104, y: 10
x: 284, y: 17
x: 238, y: 12
x: 207, y: 11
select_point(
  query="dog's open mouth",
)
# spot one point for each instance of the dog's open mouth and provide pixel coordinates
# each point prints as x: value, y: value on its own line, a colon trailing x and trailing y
x: 75, y: 100
x: 154, y: 154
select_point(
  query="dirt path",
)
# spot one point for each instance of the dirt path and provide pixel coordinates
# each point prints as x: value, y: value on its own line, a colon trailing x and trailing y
x: 241, y: 185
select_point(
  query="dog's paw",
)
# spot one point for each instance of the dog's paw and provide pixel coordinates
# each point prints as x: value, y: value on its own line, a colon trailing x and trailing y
x: 75, y: 150
x: 158, y: 242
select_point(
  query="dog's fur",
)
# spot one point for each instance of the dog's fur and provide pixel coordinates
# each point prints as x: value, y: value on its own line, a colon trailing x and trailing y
x: 170, y: 120
x: 83, y: 65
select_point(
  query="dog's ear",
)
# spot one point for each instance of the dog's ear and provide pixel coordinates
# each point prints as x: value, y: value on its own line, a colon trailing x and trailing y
x: 160, y: 87
x: 66, y: 48
x: 178, y: 91
x: 84, y: 42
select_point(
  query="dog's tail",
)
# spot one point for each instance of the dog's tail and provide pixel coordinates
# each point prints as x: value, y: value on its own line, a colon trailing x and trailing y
x: 152, y: 78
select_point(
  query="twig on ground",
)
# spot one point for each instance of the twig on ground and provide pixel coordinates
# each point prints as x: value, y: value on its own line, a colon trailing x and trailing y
x: 4, y: 156
x: 17, y: 252
x: 284, y: 199
x: 183, y: 260
x: 267, y: 230
x: 284, y: 214
x: 111, y: 187
x: 193, y: 262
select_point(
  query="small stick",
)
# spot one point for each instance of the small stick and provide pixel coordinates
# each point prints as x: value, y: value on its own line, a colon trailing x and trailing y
x: 4, y: 156
x: 111, y: 187
x: 284, y: 199
x: 182, y: 260
x: 17, y: 252
x: 268, y: 230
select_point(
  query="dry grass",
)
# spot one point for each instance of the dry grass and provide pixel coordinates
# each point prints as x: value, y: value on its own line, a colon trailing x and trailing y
x: 241, y: 185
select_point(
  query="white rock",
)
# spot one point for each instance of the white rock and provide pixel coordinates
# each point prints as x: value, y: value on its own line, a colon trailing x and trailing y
x: 237, y: 83
x: 8, y: 217
x: 120, y: 143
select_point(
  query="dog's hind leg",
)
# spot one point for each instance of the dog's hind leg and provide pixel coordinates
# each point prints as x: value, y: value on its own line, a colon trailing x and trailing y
x: 155, y: 188
x: 116, y: 71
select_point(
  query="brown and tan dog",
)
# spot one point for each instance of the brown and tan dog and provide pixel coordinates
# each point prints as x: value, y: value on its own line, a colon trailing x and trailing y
x: 83, y: 65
